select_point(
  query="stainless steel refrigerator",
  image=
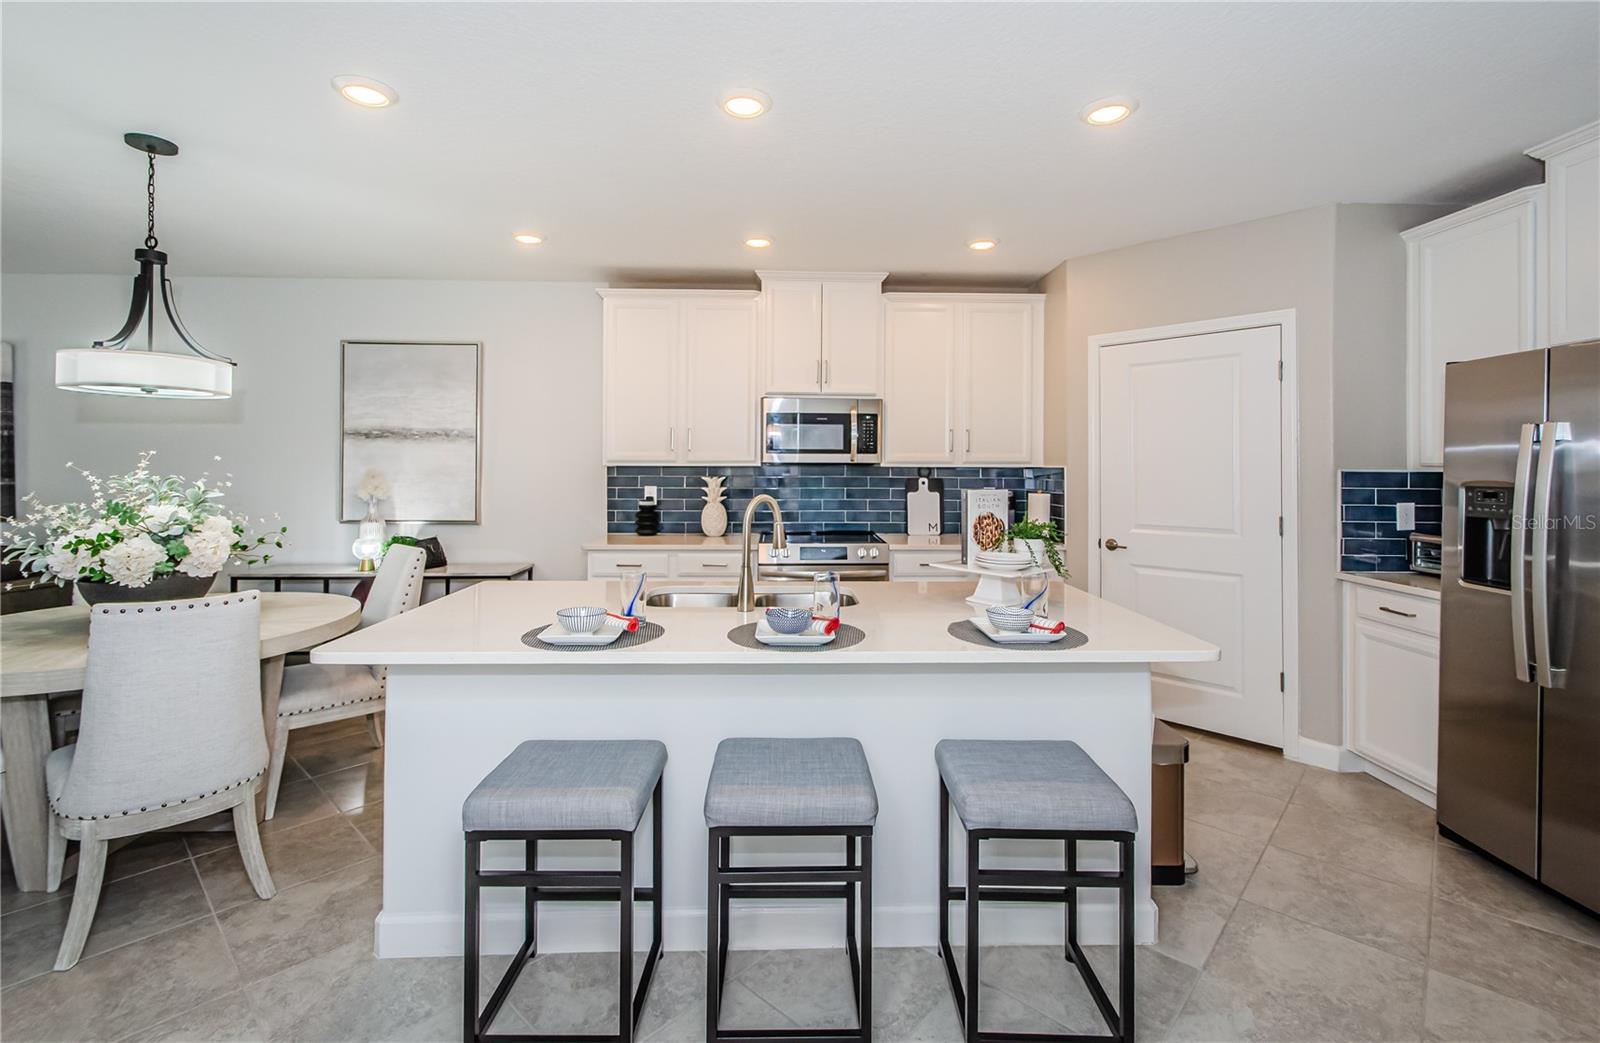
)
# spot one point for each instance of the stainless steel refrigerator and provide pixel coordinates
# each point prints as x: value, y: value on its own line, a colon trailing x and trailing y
x: 1519, y: 668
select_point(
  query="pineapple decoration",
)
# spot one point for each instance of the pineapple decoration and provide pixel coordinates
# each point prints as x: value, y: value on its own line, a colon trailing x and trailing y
x: 714, y: 516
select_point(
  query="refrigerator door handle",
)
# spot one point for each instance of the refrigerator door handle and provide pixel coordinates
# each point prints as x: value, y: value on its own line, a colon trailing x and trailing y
x: 1519, y: 552
x: 1551, y: 434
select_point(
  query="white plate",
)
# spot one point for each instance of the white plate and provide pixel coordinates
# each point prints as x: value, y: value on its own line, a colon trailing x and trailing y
x: 1026, y: 637
x: 768, y: 636
x: 556, y: 634
x: 1004, y: 566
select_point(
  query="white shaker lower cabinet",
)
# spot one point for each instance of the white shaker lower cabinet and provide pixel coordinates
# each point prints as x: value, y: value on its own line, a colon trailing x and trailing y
x: 1391, y: 682
x: 665, y: 563
x: 680, y: 376
x: 964, y: 378
x: 1475, y: 288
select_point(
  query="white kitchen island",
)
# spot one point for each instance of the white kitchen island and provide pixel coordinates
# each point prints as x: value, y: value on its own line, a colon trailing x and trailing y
x: 463, y: 690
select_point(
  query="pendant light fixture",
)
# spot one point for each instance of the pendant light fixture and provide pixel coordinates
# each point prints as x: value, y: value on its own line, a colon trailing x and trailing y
x: 111, y: 367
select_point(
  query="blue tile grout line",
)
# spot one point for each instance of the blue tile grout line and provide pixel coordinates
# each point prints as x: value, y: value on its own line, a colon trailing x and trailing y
x: 818, y: 495
x: 1369, y: 540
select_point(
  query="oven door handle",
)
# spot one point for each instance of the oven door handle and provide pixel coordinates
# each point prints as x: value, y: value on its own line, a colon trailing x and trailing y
x: 845, y: 571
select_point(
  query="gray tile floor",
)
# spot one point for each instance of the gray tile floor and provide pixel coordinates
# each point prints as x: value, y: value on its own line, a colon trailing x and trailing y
x: 1325, y: 909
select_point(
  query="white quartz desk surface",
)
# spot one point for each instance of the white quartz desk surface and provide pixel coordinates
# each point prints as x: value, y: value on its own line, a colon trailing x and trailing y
x: 904, y: 623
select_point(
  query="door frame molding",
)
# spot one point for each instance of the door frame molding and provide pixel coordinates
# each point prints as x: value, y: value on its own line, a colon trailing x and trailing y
x: 1289, y: 478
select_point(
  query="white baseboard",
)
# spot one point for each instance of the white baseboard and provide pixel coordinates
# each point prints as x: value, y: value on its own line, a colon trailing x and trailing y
x: 1399, y: 782
x: 574, y: 928
x: 1326, y: 756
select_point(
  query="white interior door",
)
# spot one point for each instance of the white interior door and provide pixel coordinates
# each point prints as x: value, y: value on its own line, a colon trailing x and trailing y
x: 1190, y: 498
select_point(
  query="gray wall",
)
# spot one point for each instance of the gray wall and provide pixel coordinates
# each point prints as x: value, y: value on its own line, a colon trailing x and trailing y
x: 1300, y: 261
x: 543, y: 482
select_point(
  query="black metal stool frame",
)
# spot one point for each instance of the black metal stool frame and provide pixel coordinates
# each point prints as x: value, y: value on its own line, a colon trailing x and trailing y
x: 1036, y: 885
x: 552, y: 886
x: 851, y: 882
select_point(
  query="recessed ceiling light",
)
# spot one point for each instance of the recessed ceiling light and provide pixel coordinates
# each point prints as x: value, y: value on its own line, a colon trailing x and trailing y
x: 1106, y: 111
x: 758, y: 242
x: 528, y: 238
x: 746, y: 104
x: 983, y: 245
x: 365, y: 91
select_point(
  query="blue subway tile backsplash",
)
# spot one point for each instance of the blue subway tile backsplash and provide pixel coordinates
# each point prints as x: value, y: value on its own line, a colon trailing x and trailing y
x: 1368, y: 538
x: 842, y: 496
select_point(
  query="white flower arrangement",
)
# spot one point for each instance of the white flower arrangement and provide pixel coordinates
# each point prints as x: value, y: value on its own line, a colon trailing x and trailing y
x: 136, y: 528
x: 374, y: 486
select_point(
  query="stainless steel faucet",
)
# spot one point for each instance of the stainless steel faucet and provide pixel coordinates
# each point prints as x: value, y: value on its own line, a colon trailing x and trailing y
x: 746, y: 597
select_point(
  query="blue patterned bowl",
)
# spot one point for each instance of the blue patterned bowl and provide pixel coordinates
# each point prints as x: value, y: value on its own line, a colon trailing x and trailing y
x: 583, y: 620
x: 1013, y: 619
x: 789, y: 620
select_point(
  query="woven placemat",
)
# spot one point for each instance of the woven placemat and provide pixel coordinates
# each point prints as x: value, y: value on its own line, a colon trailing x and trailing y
x: 844, y: 637
x: 963, y: 629
x: 646, y: 632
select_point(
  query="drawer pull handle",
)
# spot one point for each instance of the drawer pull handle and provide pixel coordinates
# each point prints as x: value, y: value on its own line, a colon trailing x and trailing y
x: 713, y: 564
x: 630, y: 565
x: 1396, y: 612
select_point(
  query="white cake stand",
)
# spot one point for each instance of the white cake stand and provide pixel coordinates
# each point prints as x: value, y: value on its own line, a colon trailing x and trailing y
x: 995, y: 586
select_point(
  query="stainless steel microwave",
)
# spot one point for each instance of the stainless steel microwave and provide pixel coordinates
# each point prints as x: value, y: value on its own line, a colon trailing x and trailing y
x: 814, y: 430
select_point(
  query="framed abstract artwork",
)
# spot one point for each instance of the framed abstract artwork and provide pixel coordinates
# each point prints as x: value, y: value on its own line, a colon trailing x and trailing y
x: 410, y: 416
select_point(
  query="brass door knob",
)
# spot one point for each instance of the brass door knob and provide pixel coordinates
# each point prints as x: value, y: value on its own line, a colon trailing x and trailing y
x: 1112, y: 544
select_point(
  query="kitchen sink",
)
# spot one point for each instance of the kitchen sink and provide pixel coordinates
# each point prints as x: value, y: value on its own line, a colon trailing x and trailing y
x: 728, y: 599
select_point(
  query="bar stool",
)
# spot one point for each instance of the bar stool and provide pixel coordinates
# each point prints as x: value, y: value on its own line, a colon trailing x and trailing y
x: 785, y: 788
x: 565, y: 790
x: 1033, y: 790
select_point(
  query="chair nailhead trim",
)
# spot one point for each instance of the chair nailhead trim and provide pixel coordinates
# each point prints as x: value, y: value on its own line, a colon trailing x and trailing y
x: 330, y: 706
x: 181, y: 801
x: 240, y: 600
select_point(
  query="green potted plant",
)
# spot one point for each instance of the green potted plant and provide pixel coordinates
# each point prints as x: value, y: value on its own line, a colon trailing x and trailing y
x: 1042, y: 541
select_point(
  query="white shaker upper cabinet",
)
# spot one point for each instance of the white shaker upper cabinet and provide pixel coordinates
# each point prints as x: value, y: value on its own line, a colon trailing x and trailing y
x: 852, y: 338
x: 793, y: 317
x: 1572, y: 178
x: 679, y: 376
x: 719, y: 380
x: 1003, y: 380
x: 963, y: 378
x: 919, y: 421
x: 1475, y: 288
x: 822, y: 333
x: 640, y: 343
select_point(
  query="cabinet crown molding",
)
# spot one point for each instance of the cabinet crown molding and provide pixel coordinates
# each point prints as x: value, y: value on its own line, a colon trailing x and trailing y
x: 1561, y: 143
x: 876, y: 277
x: 620, y: 292
x: 958, y: 295
x: 1514, y: 198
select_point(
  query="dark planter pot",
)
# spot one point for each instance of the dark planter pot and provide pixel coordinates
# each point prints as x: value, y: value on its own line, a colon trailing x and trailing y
x: 173, y: 587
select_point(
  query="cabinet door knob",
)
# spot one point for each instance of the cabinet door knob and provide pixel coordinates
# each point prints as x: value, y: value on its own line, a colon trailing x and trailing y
x: 1112, y: 544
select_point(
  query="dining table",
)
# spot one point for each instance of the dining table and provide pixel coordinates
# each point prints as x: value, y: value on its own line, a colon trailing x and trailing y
x: 45, y: 652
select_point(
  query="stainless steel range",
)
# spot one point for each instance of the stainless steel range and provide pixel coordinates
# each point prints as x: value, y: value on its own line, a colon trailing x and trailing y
x: 852, y: 553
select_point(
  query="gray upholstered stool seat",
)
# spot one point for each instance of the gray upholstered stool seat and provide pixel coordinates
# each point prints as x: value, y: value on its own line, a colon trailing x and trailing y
x: 790, y: 782
x: 1031, y: 784
x: 553, y: 784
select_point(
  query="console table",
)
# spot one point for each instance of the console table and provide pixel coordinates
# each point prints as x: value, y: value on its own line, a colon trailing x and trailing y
x: 277, y: 575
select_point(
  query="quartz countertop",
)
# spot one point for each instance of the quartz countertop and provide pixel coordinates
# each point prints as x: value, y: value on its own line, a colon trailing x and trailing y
x: 904, y: 624
x: 695, y: 541
x: 1418, y: 583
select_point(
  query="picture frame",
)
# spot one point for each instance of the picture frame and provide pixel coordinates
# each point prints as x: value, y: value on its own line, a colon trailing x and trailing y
x: 413, y: 411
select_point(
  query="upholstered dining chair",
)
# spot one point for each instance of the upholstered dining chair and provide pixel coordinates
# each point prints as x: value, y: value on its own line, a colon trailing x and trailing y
x: 171, y: 732
x: 318, y: 693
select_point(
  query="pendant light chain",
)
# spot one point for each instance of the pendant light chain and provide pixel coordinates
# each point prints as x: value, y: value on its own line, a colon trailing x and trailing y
x: 150, y: 187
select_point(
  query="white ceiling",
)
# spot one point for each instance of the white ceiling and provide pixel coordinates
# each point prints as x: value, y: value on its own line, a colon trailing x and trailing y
x: 897, y: 133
